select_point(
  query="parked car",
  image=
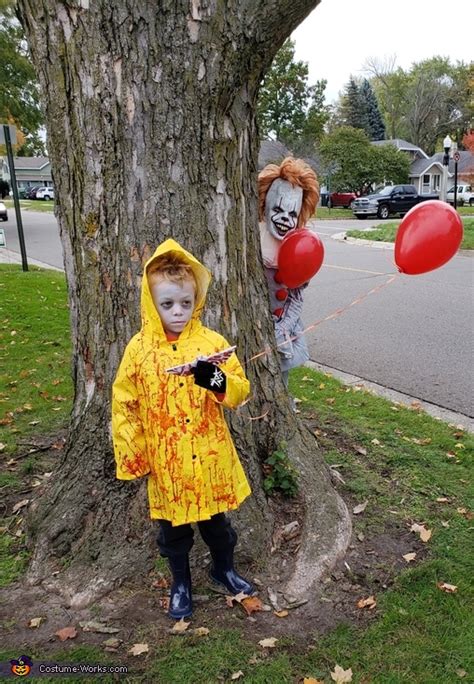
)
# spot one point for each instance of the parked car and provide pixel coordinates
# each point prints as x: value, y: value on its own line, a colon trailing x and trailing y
x: 341, y: 199
x: 464, y: 195
x: 45, y: 193
x: 393, y: 199
x: 31, y: 192
x: 3, y: 212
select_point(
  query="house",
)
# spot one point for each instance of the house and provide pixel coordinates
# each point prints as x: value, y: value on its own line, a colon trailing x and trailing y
x: 426, y: 172
x: 29, y: 171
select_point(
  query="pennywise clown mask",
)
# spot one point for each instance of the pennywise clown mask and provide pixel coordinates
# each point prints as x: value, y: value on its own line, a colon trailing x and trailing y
x: 282, y: 207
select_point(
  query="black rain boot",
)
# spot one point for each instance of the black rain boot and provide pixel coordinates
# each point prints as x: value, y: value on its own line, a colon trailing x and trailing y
x: 222, y: 572
x: 181, y: 603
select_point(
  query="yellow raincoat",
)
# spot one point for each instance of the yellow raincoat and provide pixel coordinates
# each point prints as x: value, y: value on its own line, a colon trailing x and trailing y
x: 167, y: 427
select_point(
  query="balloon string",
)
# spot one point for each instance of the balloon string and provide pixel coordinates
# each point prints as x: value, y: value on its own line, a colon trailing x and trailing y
x: 329, y: 317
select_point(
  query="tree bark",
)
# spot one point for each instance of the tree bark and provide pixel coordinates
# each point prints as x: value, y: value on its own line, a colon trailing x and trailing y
x: 150, y: 112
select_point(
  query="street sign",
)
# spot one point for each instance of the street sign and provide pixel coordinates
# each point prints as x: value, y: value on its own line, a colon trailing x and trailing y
x: 456, y: 156
x: 12, y: 130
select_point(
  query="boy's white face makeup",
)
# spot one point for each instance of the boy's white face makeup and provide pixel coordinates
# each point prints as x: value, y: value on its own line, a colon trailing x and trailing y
x: 174, y: 303
x: 282, y: 207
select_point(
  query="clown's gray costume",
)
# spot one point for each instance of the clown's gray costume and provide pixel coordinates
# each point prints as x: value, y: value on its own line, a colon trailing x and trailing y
x: 288, y: 195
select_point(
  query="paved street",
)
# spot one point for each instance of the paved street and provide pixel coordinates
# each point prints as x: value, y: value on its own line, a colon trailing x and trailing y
x: 415, y: 335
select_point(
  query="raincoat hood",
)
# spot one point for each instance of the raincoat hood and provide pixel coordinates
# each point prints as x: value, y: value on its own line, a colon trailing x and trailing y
x: 151, y: 322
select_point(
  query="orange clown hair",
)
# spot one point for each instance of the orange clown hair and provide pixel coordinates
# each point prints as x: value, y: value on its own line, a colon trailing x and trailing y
x: 297, y: 172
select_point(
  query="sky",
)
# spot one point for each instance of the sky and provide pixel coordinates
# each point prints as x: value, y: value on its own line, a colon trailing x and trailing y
x: 339, y: 35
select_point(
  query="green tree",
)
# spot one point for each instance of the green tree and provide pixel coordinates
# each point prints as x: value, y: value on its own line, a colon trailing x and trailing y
x: 390, y: 165
x: 349, y: 153
x: 288, y: 108
x: 19, y: 90
x: 352, y: 106
x: 357, y: 164
x: 375, y: 127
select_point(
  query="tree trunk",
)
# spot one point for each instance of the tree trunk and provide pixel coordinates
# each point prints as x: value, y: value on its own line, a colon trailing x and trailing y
x: 150, y: 111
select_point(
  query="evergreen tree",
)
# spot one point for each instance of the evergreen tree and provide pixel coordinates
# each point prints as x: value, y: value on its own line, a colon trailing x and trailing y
x: 353, y: 110
x: 375, y: 127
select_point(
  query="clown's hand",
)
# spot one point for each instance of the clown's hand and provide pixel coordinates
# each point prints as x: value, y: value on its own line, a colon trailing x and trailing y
x: 209, y: 376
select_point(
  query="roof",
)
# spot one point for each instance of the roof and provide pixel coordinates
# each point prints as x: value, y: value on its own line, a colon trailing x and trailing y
x: 271, y: 152
x: 400, y: 145
x: 30, y: 163
x: 465, y: 164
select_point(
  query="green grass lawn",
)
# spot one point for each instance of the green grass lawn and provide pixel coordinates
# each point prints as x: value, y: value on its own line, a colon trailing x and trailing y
x: 35, y: 348
x: 386, y: 232
x: 410, y: 468
x: 32, y: 205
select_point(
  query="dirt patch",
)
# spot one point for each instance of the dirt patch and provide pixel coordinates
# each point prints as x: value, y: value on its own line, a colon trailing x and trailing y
x: 138, y: 610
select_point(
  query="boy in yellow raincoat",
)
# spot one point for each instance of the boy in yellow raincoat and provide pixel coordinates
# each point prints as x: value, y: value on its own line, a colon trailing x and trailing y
x: 171, y: 427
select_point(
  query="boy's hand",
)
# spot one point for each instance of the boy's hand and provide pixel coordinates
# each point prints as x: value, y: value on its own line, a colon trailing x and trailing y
x: 209, y: 376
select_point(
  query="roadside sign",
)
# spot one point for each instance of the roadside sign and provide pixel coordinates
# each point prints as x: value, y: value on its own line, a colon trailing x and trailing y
x: 3, y: 242
x: 12, y: 130
x: 456, y: 156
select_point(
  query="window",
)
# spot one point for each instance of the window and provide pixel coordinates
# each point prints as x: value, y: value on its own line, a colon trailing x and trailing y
x: 436, y: 182
x: 426, y: 179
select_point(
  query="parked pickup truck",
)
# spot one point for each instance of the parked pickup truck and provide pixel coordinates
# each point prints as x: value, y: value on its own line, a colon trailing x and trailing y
x: 393, y: 199
x: 464, y: 195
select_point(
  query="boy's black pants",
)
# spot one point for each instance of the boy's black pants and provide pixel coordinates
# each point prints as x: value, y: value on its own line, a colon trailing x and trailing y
x: 217, y: 533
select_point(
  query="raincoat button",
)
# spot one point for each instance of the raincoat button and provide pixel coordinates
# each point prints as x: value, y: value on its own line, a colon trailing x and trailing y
x: 194, y: 457
x: 174, y: 347
x: 187, y: 420
x: 181, y: 384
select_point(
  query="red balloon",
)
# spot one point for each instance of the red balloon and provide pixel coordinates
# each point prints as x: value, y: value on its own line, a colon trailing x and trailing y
x: 428, y: 236
x: 300, y: 257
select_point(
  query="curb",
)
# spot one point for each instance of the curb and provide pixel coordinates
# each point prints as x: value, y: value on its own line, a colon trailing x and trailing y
x: 433, y: 410
x: 9, y: 257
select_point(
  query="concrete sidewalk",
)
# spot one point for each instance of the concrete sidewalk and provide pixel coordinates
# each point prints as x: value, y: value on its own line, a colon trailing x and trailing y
x: 9, y: 257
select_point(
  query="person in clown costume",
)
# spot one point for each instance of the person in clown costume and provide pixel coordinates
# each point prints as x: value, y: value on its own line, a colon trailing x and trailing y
x: 288, y: 195
x: 168, y: 422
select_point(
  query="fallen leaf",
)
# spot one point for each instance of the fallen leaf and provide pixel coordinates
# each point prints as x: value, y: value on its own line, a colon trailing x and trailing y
x: 93, y: 626
x: 461, y: 673
x: 66, y: 633
x: 368, y: 602
x: 20, y: 504
x: 268, y: 643
x: 360, y: 508
x: 180, y: 626
x: 312, y: 680
x: 409, y: 557
x: 238, y: 597
x: 237, y: 675
x: 33, y: 422
x: 280, y: 613
x: 138, y: 649
x: 201, y: 631
x: 28, y: 407
x: 375, y: 441
x: 442, y: 499
x: 35, y: 622
x: 459, y: 445
x: 422, y: 531
x: 448, y: 588
x: 362, y: 451
x: 161, y: 583
x: 340, y: 675
x: 445, y: 523
x: 113, y: 643
x: 251, y: 604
